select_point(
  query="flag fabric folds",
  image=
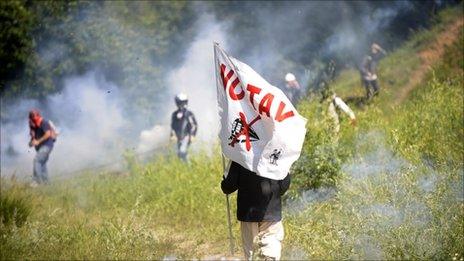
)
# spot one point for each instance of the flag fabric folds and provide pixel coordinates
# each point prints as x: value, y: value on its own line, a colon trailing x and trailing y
x: 260, y: 128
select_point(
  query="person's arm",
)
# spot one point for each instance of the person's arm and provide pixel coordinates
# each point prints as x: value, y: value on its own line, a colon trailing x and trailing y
x: 48, y: 133
x: 342, y: 105
x: 379, y: 48
x: 32, y: 134
x: 383, y: 51
x: 364, y: 65
x: 193, y: 123
x: 284, y: 184
x: 230, y: 183
x: 193, y: 126
x: 172, y: 133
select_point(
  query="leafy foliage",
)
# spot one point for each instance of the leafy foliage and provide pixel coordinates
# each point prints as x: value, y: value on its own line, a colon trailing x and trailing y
x: 16, y: 41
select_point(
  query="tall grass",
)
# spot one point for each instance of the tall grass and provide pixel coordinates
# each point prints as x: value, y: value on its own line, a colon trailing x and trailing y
x: 14, y: 210
x: 168, y: 208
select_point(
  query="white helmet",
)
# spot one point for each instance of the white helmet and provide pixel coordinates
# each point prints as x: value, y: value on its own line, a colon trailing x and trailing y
x: 181, y: 99
x: 289, y: 77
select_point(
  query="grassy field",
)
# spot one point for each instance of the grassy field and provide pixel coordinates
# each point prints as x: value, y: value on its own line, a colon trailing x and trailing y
x: 390, y: 188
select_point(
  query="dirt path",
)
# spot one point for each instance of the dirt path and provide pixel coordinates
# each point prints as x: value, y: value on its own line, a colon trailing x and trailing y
x: 429, y: 56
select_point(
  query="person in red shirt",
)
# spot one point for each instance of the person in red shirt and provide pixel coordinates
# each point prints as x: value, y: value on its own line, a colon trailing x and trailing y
x: 42, y: 140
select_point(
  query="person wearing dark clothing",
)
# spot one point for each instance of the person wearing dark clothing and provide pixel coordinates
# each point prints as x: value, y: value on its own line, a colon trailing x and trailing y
x: 368, y: 70
x: 259, y: 209
x: 183, y: 126
x: 292, y: 88
x: 41, y: 133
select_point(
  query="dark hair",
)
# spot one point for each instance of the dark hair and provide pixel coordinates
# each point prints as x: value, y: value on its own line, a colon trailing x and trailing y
x: 34, y: 113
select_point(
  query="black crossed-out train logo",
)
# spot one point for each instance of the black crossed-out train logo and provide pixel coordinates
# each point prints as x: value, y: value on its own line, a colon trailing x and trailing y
x: 240, y: 128
x: 275, y: 155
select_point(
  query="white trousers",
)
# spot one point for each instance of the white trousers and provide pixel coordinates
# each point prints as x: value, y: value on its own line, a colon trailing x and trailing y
x: 263, y: 237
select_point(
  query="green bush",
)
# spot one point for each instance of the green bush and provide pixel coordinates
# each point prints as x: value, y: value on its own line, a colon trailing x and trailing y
x: 319, y: 163
x: 430, y: 126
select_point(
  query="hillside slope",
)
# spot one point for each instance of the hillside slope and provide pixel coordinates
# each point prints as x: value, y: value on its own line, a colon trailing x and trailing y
x: 398, y: 175
x: 429, y: 56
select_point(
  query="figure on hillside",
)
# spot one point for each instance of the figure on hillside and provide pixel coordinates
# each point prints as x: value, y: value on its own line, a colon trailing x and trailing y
x: 292, y: 88
x: 325, y: 76
x: 43, y: 135
x: 336, y: 104
x: 368, y: 70
x: 183, y: 126
x: 259, y: 210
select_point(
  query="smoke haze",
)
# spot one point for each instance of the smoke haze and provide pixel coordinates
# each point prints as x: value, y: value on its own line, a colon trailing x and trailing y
x: 378, y: 198
x: 196, y: 76
x: 95, y: 129
x: 100, y: 115
x: 88, y: 115
x: 407, y: 206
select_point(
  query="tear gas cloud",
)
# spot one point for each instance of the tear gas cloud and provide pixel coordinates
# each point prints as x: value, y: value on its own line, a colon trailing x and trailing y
x: 307, y: 198
x: 96, y: 117
x: 384, y: 172
x: 88, y: 115
x: 95, y: 129
x: 289, y: 36
x: 196, y: 78
x: 408, y: 204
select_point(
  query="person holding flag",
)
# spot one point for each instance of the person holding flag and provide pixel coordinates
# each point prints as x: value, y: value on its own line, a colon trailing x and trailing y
x: 259, y: 210
x: 262, y: 134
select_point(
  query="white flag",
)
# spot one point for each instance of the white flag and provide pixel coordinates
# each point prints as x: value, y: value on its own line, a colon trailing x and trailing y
x: 260, y: 128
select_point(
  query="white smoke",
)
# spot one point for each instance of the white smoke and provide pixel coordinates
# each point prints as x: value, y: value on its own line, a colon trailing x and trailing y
x: 308, y: 198
x: 89, y: 111
x: 382, y: 17
x: 88, y: 114
x: 153, y: 138
x: 295, y: 37
x: 97, y: 132
x: 377, y: 166
x: 196, y: 78
x: 345, y: 39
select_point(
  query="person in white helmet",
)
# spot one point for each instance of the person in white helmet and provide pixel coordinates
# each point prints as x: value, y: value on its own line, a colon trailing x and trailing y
x: 183, y: 126
x: 292, y: 88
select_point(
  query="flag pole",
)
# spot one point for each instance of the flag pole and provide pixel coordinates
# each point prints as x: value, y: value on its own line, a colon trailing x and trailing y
x: 225, y: 168
x: 229, y: 223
